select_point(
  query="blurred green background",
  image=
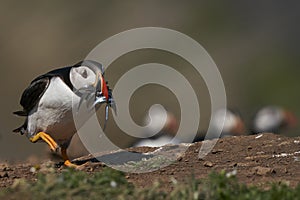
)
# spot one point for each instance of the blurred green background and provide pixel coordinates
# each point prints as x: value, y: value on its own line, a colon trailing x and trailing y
x: 253, y: 43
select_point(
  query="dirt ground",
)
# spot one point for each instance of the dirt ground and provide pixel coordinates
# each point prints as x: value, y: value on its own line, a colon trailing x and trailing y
x: 256, y: 160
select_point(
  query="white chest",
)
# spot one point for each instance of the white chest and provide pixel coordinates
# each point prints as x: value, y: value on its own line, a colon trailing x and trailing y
x: 53, y: 114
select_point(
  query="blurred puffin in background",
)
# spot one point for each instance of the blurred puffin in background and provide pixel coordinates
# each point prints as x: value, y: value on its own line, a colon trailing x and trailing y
x: 152, y: 136
x: 272, y: 119
x: 233, y: 125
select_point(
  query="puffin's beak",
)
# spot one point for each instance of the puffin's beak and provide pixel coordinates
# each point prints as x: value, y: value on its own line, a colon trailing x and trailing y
x: 290, y: 119
x: 103, y: 93
x: 239, y: 129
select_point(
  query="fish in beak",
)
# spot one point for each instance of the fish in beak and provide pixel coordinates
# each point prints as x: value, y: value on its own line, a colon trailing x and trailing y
x: 104, y: 96
x: 98, y: 94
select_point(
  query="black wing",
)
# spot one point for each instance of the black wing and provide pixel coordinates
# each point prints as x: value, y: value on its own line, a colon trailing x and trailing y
x: 32, y: 94
x: 38, y: 86
x: 63, y: 73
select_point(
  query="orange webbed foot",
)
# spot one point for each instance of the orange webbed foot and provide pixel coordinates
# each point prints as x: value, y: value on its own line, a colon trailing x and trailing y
x: 46, y: 138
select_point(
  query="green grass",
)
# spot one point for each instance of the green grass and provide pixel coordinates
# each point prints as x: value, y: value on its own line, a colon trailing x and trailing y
x: 112, y: 184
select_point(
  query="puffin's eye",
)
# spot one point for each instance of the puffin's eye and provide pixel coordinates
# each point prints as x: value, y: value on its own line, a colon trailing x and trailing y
x: 84, y: 73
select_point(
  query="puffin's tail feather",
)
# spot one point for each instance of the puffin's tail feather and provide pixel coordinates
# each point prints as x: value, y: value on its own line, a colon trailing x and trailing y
x: 21, y: 130
x: 17, y: 130
x: 20, y: 113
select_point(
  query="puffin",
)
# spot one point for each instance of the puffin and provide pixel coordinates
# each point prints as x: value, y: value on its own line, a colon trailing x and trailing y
x: 272, y: 119
x: 233, y: 124
x: 52, y: 100
x: 164, y: 136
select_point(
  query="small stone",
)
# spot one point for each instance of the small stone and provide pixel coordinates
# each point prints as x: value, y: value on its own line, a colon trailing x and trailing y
x: 259, y: 136
x: 208, y: 164
x: 262, y: 171
x: 5, y: 169
x: 179, y: 158
x: 186, y: 160
x: 233, y: 164
x: 91, y: 169
x: 33, y: 170
x: 127, y: 177
x: 200, y: 159
x: 3, y: 174
x: 215, y: 151
x: 249, y: 158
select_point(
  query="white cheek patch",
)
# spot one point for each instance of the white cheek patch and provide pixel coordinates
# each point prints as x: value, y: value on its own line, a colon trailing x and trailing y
x: 82, y: 77
x: 83, y: 73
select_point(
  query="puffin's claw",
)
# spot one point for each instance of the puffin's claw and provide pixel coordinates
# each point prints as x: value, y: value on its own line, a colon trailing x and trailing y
x: 45, y: 137
x: 67, y: 161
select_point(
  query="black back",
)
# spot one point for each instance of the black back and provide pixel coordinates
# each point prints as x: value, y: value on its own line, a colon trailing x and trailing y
x: 33, y: 93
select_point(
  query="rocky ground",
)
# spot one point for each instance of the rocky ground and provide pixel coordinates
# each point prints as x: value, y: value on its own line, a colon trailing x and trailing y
x: 256, y: 160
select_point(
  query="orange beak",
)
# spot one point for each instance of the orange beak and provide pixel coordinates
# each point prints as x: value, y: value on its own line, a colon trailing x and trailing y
x: 290, y: 119
x: 104, y: 89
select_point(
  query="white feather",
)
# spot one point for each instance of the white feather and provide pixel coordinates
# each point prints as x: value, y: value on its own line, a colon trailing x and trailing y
x: 82, y: 76
x: 53, y: 114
